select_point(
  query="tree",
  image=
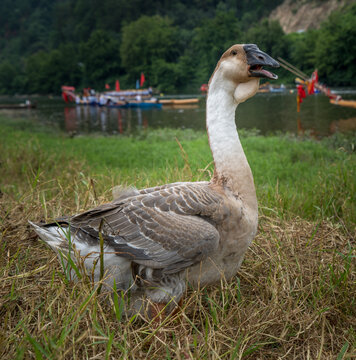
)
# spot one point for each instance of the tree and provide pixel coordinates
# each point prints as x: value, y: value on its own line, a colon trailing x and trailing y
x: 62, y: 68
x: 48, y: 71
x: 147, y: 43
x: 335, y: 51
x: 7, y: 75
x: 302, y: 50
x: 175, y: 43
x: 34, y: 70
x: 100, y: 57
x: 211, y: 39
x: 269, y: 37
x: 165, y: 76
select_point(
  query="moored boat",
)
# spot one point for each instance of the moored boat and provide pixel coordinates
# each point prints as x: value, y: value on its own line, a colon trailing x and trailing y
x: 341, y: 102
x: 134, y: 104
x: 134, y: 98
x: 26, y: 105
x: 179, y: 101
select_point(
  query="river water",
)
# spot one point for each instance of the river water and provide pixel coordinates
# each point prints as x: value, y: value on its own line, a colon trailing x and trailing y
x: 267, y: 112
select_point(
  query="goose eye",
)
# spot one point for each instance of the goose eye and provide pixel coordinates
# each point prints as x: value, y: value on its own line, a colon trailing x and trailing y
x: 233, y: 52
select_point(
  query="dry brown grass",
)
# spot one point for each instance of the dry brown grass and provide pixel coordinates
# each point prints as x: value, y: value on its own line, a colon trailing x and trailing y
x: 294, y: 297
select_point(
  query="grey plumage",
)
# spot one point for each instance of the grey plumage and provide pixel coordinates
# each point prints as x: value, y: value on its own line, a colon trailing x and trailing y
x: 163, y: 230
x: 168, y: 227
x: 158, y: 238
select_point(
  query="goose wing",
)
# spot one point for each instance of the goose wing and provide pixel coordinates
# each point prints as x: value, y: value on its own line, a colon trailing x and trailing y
x: 169, y: 227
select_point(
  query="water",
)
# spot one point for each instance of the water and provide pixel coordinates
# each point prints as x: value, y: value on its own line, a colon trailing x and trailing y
x: 267, y: 112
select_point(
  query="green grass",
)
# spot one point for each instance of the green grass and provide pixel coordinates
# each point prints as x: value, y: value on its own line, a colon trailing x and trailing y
x: 292, y: 176
x: 293, y: 298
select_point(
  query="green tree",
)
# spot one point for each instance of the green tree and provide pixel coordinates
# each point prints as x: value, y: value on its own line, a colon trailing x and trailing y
x: 7, y: 74
x: 165, y: 76
x: 48, y: 71
x: 34, y: 71
x: 62, y: 68
x: 211, y: 39
x: 147, y: 43
x: 100, y: 57
x: 90, y: 42
x: 269, y: 37
x: 335, y: 50
x: 302, y: 50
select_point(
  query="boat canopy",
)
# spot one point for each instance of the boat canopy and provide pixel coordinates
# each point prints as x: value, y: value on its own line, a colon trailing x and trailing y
x: 132, y: 92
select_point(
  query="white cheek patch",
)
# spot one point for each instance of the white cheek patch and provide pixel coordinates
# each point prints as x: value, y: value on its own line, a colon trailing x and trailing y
x: 232, y: 69
x: 246, y: 90
x: 227, y: 66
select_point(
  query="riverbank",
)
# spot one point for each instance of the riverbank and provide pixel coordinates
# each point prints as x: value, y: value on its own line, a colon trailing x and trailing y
x: 292, y: 296
x: 293, y: 176
x: 267, y: 112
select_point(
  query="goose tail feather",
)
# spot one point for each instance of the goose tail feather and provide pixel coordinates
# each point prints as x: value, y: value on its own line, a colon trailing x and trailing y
x: 53, y: 236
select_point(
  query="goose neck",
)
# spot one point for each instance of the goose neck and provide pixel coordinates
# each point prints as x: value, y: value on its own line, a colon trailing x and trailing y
x: 231, y: 166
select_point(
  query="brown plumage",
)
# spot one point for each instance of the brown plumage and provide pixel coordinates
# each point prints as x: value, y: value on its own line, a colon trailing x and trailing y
x: 159, y: 238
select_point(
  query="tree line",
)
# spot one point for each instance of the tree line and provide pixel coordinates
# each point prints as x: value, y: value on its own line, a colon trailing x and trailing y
x: 175, y: 44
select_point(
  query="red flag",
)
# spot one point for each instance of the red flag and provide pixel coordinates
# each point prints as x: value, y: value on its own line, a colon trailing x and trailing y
x: 65, y: 97
x: 300, y: 96
x: 117, y: 85
x: 204, y: 88
x: 311, y: 87
x: 301, y: 93
x: 142, y: 79
x: 315, y: 76
x: 314, y: 80
x: 107, y: 86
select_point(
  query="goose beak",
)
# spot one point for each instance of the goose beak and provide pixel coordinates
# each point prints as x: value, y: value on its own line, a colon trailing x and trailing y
x: 256, y: 59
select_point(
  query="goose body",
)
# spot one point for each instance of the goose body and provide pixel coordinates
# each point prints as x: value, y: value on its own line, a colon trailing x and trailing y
x: 157, y: 239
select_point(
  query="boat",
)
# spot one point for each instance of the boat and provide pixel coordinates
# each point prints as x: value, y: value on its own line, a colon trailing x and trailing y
x: 279, y: 89
x: 144, y: 104
x: 132, y: 98
x: 68, y: 93
x: 133, y: 104
x: 341, y: 102
x: 130, y: 93
x: 267, y: 88
x: 311, y: 85
x: 113, y: 100
x: 26, y: 105
x: 179, y: 101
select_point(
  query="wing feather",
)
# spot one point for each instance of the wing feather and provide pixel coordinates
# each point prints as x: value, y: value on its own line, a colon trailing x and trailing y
x: 171, y: 226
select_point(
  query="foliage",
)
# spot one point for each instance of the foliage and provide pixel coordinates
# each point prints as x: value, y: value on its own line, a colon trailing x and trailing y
x: 331, y: 49
x: 147, y: 43
x: 104, y: 62
x: 211, y: 39
x: 46, y: 72
x: 335, y: 50
x: 302, y: 50
x: 270, y: 37
x: 7, y: 75
x: 176, y: 44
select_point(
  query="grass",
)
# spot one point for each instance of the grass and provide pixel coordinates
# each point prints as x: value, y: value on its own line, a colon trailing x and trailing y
x: 293, y: 298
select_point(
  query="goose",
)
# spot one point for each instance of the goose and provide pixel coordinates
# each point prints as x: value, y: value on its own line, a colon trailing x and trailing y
x: 156, y: 240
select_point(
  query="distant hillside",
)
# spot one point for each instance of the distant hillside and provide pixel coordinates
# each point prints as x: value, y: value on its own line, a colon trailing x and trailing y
x: 302, y: 15
x: 45, y: 44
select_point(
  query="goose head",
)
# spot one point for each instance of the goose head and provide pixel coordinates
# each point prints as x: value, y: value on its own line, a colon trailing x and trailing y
x: 242, y: 66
